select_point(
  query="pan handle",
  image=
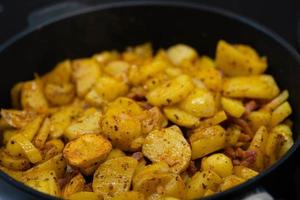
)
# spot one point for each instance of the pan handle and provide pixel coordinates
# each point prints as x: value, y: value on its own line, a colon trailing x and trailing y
x: 42, y: 15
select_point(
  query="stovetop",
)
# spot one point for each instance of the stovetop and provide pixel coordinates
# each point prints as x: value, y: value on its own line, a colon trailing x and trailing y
x: 283, y: 17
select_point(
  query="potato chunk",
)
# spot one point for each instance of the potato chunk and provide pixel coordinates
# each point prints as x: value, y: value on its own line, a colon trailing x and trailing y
x: 256, y: 87
x: 180, y: 117
x: 75, y: 185
x: 88, y: 123
x: 207, y: 140
x: 85, y: 73
x: 86, y: 150
x: 180, y: 53
x: 199, y: 103
x: 32, y: 97
x: 168, y: 145
x: 233, y: 107
x: 17, y: 118
x: 114, y: 176
x: 219, y: 163
x: 59, y: 94
x: 62, y: 73
x: 239, y: 60
x: 171, y: 92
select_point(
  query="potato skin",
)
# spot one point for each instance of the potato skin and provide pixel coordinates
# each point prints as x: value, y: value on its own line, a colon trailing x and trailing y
x: 168, y: 145
x: 86, y: 150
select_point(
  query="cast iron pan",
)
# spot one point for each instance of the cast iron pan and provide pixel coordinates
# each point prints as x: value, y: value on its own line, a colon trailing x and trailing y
x: 86, y: 30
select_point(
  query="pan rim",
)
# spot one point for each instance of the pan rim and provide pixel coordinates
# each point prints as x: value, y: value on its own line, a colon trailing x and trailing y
x: 189, y: 5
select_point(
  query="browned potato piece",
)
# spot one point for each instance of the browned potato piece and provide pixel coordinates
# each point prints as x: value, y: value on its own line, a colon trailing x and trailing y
x: 85, y: 73
x: 114, y: 176
x: 14, y: 163
x: 132, y: 195
x: 171, y: 92
x: 61, y: 119
x: 180, y: 117
x: 85, y: 195
x: 152, y: 119
x: 75, y: 185
x: 168, y: 145
x: 31, y: 129
x: 43, y: 181
x: 88, y: 123
x: 17, y: 118
x: 62, y: 73
x: 42, y: 135
x: 86, y: 150
x: 257, y: 119
x: 231, y: 181
x: 32, y: 97
x: 219, y: 163
x: 59, y: 94
x: 239, y: 60
x: 256, y: 87
x: 244, y: 172
x: 207, y: 140
x: 56, y: 163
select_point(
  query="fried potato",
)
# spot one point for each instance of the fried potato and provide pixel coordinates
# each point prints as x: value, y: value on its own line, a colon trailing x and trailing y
x: 56, y: 163
x: 199, y: 103
x: 85, y: 195
x: 231, y: 181
x: 17, y: 118
x: 115, y: 153
x: 52, y: 148
x: 59, y: 95
x: 87, y: 124
x: 168, y: 145
x: 42, y: 135
x: 114, y: 176
x: 201, y: 181
x: 14, y: 163
x: 207, y: 140
x: 257, y: 119
x: 62, y: 73
x: 233, y: 107
x: 61, y: 119
x: 239, y: 60
x: 132, y: 195
x: 86, y: 150
x: 180, y: 53
x: 244, y: 172
x: 256, y: 87
x: 85, y: 73
x: 171, y: 92
x: 20, y: 145
x: 15, y: 95
x: 219, y: 163
x: 180, y: 117
x: 43, y: 181
x: 75, y: 185
x: 280, y: 113
x: 32, y: 97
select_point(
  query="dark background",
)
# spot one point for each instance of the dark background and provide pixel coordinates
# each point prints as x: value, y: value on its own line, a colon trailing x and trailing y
x: 280, y: 16
x: 283, y: 17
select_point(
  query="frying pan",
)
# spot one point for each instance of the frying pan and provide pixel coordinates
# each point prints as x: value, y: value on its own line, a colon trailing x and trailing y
x: 86, y: 30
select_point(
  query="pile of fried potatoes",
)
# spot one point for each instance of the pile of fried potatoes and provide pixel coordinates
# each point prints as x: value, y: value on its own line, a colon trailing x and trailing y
x: 137, y: 125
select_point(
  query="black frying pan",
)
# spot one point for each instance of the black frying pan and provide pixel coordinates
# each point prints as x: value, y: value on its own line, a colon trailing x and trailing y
x: 115, y: 26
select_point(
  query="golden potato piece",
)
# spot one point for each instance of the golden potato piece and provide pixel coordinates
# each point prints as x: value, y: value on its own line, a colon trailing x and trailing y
x: 259, y: 118
x: 85, y: 73
x: 219, y: 163
x: 132, y: 195
x: 180, y: 53
x: 231, y: 181
x: 61, y: 119
x: 163, y: 183
x: 180, y: 117
x: 43, y: 181
x: 238, y: 60
x: 86, y: 150
x: 256, y: 87
x: 59, y: 95
x: 199, y: 103
x: 233, y: 107
x: 88, y: 123
x: 201, y: 181
x: 114, y: 176
x: 32, y: 97
x: 168, y: 145
x: 171, y: 92
x: 17, y: 118
x: 75, y: 185
x: 115, y: 153
x: 20, y: 145
x: 211, y: 77
x: 42, y: 135
x: 152, y: 119
x: 85, y: 195
x: 244, y: 172
x: 207, y: 140
x: 56, y: 163
x: 14, y: 163
x: 31, y: 129
x: 280, y: 113
x: 62, y: 73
